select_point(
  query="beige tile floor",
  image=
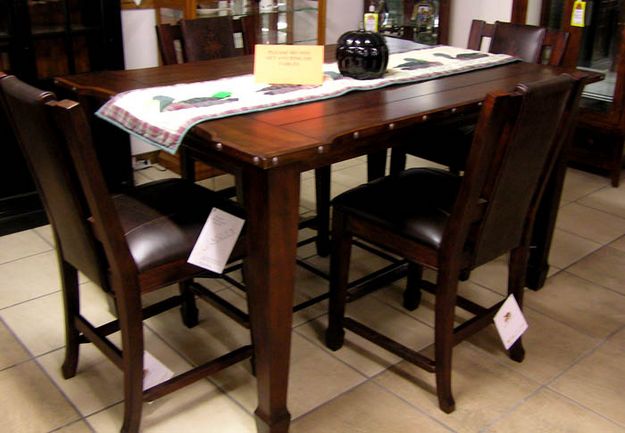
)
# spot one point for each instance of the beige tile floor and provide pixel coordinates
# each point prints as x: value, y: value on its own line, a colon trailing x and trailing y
x: 571, y: 381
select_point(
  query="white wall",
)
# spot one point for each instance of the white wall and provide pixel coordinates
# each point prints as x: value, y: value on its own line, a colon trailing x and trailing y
x: 140, y: 45
x: 533, y: 12
x: 140, y: 51
x: 464, y: 11
x: 342, y: 15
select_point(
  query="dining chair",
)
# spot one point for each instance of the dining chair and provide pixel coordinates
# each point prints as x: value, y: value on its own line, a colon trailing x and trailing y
x: 205, y: 39
x: 129, y: 244
x: 448, y: 143
x: 450, y: 223
x: 198, y: 39
x: 531, y: 44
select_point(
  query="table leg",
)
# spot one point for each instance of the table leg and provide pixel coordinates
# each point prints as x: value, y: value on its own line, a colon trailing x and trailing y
x: 272, y: 203
x: 376, y: 165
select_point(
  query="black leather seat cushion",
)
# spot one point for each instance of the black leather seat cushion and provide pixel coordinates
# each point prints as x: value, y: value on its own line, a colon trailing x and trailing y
x: 415, y: 204
x: 163, y: 219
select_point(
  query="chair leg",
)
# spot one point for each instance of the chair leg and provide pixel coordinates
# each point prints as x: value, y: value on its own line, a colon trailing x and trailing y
x: 187, y: 165
x: 615, y: 177
x: 455, y: 168
x: 465, y: 274
x: 323, y: 179
x: 133, y: 394
x: 376, y: 165
x: 131, y: 327
x: 188, y: 307
x: 398, y: 161
x: 447, y: 285
x: 71, y: 300
x: 516, y: 284
x: 412, y: 293
x: 339, y: 274
x: 617, y: 160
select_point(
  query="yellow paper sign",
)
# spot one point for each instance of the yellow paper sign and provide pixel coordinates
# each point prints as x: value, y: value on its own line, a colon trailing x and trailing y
x: 288, y: 64
x: 578, y: 17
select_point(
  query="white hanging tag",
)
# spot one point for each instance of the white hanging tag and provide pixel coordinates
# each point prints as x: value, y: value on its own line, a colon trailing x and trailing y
x: 216, y: 241
x: 510, y: 322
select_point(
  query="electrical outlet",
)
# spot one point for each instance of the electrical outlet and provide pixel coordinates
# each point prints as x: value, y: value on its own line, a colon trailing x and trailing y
x: 140, y: 164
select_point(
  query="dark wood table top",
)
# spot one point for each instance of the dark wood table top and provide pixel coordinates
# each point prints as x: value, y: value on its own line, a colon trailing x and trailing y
x: 314, y: 133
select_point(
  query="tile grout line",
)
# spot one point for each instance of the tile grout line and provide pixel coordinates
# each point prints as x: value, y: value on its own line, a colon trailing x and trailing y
x: 28, y: 256
x: 35, y: 360
x: 52, y: 244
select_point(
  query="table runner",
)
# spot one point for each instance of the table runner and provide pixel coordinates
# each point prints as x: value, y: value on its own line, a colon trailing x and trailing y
x: 162, y: 115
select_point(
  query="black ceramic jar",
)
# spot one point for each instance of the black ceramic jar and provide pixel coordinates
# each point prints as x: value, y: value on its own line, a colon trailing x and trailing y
x: 362, y: 55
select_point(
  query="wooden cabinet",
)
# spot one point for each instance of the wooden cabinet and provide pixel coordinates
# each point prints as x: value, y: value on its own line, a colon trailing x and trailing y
x: 41, y: 39
x: 47, y: 38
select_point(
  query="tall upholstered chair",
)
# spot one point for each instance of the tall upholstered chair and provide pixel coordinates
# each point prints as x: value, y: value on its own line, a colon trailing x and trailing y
x: 448, y: 143
x: 451, y: 223
x: 128, y: 244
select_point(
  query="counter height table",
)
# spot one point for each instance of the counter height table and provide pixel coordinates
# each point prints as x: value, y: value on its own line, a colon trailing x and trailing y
x: 268, y: 151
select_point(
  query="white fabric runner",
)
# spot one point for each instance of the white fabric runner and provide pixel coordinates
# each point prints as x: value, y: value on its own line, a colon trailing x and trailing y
x: 162, y: 115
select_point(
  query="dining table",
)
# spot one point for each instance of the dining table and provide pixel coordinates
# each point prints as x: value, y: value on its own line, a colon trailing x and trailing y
x: 268, y: 150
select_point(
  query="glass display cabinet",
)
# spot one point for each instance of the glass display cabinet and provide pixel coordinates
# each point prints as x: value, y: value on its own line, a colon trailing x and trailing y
x: 423, y: 21
x: 598, y: 46
x: 279, y: 21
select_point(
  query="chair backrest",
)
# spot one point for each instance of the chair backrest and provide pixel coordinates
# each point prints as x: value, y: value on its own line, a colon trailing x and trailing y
x: 530, y: 43
x: 170, y: 43
x: 518, y: 139
x: 205, y: 39
x: 105, y: 222
x: 53, y: 173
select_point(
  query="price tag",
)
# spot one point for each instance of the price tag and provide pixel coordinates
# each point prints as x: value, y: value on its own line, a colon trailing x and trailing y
x: 288, y: 64
x: 216, y: 241
x: 578, y: 18
x: 510, y: 322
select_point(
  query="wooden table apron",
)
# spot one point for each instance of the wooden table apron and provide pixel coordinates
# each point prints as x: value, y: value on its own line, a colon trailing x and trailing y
x: 268, y: 151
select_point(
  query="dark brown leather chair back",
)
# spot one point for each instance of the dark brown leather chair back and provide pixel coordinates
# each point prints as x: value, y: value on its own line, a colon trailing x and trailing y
x: 54, y: 176
x: 530, y: 43
x: 205, y: 39
x: 519, y: 40
x: 169, y: 38
x: 515, y: 162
